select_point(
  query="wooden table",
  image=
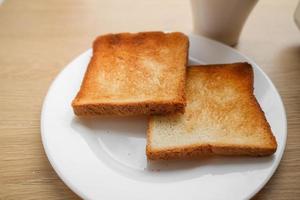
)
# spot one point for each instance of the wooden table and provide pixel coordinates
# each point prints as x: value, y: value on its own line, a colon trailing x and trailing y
x: 38, y: 38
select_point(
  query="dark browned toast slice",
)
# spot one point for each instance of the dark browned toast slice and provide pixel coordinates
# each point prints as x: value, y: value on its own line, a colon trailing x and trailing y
x: 134, y: 74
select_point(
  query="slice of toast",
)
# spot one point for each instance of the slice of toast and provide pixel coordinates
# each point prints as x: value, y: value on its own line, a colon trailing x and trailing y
x: 134, y: 74
x: 222, y: 117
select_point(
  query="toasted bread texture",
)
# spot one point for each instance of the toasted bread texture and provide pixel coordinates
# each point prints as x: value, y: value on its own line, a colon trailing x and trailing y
x: 135, y: 74
x: 222, y: 117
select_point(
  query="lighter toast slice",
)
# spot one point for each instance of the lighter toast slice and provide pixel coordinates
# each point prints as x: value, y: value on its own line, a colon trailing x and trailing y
x: 135, y: 74
x: 222, y: 117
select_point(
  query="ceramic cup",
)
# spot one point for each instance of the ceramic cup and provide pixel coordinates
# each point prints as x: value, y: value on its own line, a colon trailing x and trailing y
x: 221, y: 20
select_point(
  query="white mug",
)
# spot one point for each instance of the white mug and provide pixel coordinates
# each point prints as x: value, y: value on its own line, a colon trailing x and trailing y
x: 221, y: 20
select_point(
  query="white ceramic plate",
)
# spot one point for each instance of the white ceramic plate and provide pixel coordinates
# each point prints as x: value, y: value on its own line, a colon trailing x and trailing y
x: 105, y: 158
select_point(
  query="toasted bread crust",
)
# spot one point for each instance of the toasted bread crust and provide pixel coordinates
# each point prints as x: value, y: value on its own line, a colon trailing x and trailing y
x: 244, y: 79
x: 128, y: 75
x: 192, y: 151
x: 129, y: 109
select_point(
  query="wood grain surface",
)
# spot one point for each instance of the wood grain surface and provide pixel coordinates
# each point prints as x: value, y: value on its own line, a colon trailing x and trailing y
x: 38, y: 38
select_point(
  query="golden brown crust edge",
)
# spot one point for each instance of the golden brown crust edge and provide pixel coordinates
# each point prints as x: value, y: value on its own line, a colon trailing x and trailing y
x: 114, y: 38
x: 201, y: 150
x: 271, y: 138
x: 129, y: 109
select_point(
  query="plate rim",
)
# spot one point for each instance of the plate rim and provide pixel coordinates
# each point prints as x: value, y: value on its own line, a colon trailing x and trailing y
x: 275, y: 166
x: 198, y: 37
x: 70, y: 185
